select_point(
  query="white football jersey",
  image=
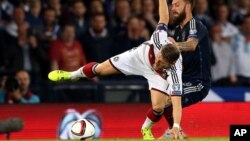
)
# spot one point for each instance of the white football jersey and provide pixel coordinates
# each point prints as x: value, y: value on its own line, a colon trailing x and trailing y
x: 139, y: 60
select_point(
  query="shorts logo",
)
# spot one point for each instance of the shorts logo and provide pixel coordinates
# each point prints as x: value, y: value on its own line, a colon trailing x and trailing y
x: 176, y: 87
x: 116, y: 58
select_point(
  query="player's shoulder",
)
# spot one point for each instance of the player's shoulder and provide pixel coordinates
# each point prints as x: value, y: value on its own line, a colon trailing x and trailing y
x: 196, y: 26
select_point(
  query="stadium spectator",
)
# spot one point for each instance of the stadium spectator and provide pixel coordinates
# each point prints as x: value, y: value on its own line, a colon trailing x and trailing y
x: 50, y: 29
x: 136, y: 7
x: 25, y: 4
x: 98, y: 40
x: 33, y: 17
x: 243, y: 54
x: 213, y: 6
x: 144, y: 31
x: 66, y: 53
x: 148, y: 15
x: 24, y: 82
x: 56, y: 5
x: 79, y: 19
x: 96, y: 6
x: 121, y: 16
x: 201, y: 12
x: 25, y: 53
x: 241, y: 11
x: 229, y: 31
x: 132, y: 38
x: 6, y: 9
x: 13, y: 94
x: 223, y: 72
x: 18, y: 18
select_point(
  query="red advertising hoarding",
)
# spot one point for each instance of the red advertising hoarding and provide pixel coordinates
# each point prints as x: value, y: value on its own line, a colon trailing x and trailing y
x: 124, y: 120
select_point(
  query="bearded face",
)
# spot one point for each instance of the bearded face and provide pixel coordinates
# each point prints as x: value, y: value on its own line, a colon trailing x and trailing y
x: 179, y: 17
x: 178, y: 11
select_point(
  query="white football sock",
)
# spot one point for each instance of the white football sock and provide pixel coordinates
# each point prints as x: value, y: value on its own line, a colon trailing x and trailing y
x: 77, y: 74
x: 148, y: 123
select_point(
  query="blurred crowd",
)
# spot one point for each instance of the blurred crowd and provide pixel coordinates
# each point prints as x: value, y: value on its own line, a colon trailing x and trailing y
x: 37, y: 36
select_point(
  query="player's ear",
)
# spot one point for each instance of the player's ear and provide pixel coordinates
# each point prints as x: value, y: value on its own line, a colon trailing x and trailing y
x: 188, y: 8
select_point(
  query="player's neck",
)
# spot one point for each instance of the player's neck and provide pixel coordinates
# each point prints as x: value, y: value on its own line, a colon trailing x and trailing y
x: 187, y: 19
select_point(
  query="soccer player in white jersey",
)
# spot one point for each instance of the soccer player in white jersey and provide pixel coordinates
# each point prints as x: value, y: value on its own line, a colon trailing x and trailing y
x: 157, y: 60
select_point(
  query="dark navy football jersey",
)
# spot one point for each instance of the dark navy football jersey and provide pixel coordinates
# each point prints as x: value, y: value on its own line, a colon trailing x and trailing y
x: 196, y: 64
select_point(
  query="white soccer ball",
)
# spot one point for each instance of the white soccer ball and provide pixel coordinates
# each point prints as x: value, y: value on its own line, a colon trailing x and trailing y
x: 82, y: 129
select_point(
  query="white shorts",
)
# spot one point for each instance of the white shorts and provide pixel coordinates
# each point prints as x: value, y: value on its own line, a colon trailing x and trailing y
x: 135, y: 62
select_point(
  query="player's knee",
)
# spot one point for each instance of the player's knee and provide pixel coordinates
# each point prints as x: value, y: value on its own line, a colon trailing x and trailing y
x: 158, y: 107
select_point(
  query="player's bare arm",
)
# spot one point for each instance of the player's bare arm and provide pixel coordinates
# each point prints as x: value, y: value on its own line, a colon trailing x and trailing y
x: 189, y: 45
x: 177, y: 113
x: 177, y: 109
x: 163, y: 12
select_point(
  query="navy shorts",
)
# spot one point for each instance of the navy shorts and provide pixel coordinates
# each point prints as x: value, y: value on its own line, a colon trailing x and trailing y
x: 194, y: 91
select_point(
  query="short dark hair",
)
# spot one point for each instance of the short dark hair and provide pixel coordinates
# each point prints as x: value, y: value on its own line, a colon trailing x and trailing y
x: 170, y: 53
x: 67, y: 24
x: 77, y: 1
x: 49, y: 9
x: 98, y: 15
x: 169, y: 2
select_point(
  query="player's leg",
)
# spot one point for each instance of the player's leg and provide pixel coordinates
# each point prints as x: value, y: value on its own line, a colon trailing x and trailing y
x: 89, y: 70
x: 154, y: 114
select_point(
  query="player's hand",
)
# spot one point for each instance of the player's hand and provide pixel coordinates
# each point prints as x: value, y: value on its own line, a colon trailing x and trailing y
x: 32, y: 41
x: 177, y: 133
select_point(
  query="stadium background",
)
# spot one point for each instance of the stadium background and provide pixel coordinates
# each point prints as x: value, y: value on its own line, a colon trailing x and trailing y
x: 121, y: 101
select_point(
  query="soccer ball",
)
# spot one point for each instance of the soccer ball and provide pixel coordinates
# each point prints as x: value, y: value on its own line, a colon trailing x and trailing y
x: 82, y: 129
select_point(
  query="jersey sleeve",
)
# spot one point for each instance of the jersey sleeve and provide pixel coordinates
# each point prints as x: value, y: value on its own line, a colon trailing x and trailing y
x: 175, y: 79
x: 159, y: 37
x: 197, y: 30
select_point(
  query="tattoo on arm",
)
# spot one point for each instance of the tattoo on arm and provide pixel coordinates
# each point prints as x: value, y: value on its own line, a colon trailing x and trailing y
x: 189, y: 45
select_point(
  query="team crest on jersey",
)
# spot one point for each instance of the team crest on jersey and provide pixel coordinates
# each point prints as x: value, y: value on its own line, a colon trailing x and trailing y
x: 116, y: 58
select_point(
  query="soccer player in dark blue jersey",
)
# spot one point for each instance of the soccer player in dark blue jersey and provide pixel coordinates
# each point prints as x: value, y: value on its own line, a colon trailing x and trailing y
x: 191, y: 36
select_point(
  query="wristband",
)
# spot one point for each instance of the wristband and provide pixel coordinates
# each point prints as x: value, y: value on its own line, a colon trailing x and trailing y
x: 176, y: 125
